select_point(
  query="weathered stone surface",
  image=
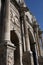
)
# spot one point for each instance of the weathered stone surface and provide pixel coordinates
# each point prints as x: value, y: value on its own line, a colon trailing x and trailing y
x: 27, y: 60
x: 40, y: 60
x: 6, y: 53
x: 18, y: 19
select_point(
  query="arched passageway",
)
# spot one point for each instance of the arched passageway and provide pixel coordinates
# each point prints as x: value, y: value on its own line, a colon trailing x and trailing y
x: 15, y: 41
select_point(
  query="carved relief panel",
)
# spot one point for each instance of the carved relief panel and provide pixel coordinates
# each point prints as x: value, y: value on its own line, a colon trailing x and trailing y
x: 10, y: 56
x: 14, y: 17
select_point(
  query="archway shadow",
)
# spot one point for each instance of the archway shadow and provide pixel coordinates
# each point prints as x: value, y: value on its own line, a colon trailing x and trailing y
x: 32, y: 46
x: 15, y: 40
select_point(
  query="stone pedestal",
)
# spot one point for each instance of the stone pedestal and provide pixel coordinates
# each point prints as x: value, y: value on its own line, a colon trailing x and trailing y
x: 6, y: 53
x: 28, y: 58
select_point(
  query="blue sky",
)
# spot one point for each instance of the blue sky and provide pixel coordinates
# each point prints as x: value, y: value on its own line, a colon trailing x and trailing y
x: 36, y: 7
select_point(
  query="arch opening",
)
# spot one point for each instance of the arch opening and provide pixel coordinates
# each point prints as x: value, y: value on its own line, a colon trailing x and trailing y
x: 15, y: 40
x: 32, y: 47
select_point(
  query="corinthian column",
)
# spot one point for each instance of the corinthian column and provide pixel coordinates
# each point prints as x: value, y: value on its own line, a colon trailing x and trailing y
x: 6, y: 20
x: 6, y: 47
x: 26, y: 34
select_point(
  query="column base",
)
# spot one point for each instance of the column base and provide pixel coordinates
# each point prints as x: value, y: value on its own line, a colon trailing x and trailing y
x: 28, y: 58
x: 7, y: 53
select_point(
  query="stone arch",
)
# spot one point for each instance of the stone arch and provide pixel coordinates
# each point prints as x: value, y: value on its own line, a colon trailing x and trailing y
x: 32, y: 46
x: 14, y: 37
x: 31, y: 38
x: 15, y: 40
x: 32, y: 35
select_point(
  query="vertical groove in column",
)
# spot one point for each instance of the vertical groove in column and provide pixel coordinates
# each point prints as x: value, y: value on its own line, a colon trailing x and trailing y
x: 26, y: 34
x: 21, y: 54
x: 6, y: 20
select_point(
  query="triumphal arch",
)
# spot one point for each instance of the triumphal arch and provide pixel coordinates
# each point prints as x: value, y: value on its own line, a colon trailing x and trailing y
x: 18, y: 34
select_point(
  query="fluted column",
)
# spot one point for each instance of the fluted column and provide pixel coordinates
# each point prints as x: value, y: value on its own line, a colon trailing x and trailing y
x: 24, y: 45
x: 37, y: 40
x: 21, y: 52
x: 6, y: 20
x: 6, y: 47
x: 26, y: 34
